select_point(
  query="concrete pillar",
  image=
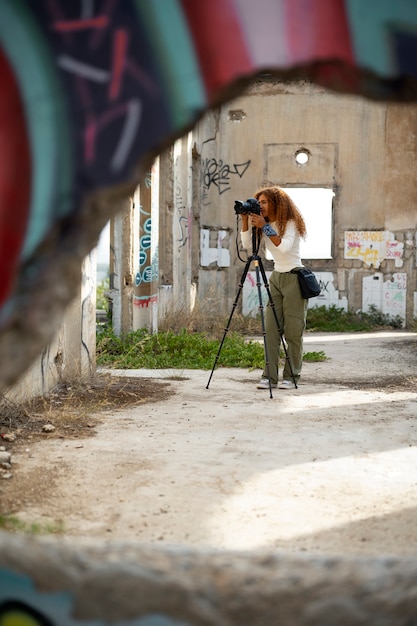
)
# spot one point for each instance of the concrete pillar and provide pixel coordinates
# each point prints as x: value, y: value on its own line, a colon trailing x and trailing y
x: 71, y: 355
x: 182, y: 225
x: 121, y: 268
x: 77, y: 337
x: 145, y: 300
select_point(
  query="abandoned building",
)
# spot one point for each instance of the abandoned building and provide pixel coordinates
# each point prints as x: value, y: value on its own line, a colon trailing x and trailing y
x: 347, y: 162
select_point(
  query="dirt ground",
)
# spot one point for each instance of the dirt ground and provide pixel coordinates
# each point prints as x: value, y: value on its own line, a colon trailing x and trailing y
x: 157, y: 457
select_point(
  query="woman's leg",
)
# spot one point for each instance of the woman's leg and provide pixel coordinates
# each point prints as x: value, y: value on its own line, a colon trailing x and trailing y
x: 272, y: 338
x: 294, y: 312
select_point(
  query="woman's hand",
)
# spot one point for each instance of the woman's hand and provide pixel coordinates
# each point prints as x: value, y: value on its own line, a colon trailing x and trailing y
x: 256, y: 220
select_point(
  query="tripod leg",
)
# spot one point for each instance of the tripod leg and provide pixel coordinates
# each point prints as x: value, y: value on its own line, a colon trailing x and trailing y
x: 281, y: 334
x: 242, y: 280
x: 261, y: 309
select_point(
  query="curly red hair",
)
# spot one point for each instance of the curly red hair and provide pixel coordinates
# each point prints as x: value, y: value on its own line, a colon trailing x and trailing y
x: 282, y: 209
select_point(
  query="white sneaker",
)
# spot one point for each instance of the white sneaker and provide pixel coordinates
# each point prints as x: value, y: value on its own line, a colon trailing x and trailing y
x: 286, y: 384
x: 264, y: 384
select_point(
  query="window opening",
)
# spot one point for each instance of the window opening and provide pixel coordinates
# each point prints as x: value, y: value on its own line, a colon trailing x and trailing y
x: 316, y: 206
x: 302, y: 156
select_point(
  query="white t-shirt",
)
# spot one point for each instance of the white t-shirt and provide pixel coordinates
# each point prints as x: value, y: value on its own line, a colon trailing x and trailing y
x: 286, y: 256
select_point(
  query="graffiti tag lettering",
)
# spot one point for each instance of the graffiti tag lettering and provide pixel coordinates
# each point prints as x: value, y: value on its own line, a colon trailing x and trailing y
x: 372, y: 247
x: 219, y: 174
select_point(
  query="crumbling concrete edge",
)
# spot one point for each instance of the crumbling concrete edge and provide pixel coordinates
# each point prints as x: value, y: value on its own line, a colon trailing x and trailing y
x: 128, y: 581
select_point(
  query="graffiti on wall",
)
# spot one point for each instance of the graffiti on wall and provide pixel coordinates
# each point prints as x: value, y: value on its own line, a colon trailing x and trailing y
x: 144, y: 273
x: 373, y: 246
x: 250, y: 294
x: 214, y: 254
x: 388, y: 296
x: 218, y: 174
x: 184, y: 219
x: 147, y: 262
x: 328, y: 296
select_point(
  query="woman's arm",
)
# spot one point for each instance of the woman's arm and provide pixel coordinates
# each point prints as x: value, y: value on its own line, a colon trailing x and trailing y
x: 259, y: 222
x: 245, y: 222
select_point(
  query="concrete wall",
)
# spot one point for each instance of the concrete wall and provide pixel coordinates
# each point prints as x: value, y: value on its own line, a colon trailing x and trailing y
x: 55, y: 583
x: 363, y: 151
x: 175, y: 242
x: 71, y: 356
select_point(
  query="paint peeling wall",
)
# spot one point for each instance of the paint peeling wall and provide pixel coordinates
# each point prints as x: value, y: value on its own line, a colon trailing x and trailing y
x: 359, y: 150
x: 354, y: 149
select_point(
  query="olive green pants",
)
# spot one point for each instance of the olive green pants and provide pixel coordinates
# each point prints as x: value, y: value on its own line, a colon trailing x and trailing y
x: 291, y: 310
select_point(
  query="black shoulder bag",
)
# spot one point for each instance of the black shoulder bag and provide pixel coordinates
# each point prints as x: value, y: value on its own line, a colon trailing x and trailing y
x: 309, y: 284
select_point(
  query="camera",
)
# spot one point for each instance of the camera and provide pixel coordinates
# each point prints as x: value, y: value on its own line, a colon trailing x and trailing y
x: 251, y: 205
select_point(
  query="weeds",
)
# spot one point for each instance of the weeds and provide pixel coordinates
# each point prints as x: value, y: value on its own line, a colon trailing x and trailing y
x: 192, y: 341
x: 14, y: 524
x: 168, y: 350
x: 102, y: 301
x: 333, y: 319
x: 314, y: 357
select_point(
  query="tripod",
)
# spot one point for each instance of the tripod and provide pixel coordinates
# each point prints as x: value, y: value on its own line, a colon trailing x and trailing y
x: 259, y: 268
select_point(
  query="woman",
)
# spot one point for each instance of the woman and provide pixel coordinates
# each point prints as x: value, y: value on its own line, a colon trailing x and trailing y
x: 282, y: 228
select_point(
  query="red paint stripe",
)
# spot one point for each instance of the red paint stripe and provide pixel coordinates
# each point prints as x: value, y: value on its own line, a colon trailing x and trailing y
x: 219, y: 42
x: 15, y: 178
x: 66, y: 26
x: 317, y: 30
x: 118, y: 62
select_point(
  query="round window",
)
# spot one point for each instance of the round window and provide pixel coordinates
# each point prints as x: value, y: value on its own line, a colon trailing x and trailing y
x: 302, y: 157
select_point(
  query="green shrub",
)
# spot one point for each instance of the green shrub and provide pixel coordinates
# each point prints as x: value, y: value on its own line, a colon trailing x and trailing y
x: 102, y: 303
x: 334, y: 319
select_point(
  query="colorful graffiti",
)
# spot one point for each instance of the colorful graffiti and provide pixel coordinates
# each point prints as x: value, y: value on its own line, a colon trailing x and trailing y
x: 147, y: 271
x: 373, y: 246
x: 90, y: 90
x: 329, y: 296
x: 388, y: 296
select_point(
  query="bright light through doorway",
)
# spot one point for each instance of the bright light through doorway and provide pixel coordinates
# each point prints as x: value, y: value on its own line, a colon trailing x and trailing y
x: 315, y: 205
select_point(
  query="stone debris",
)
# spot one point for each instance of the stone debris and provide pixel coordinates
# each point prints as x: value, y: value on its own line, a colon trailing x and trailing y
x: 9, y: 437
x: 48, y: 428
x: 5, y: 463
x: 5, y: 457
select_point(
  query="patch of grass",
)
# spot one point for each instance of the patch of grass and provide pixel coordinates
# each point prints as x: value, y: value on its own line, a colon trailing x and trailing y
x: 334, y: 319
x: 14, y: 524
x: 192, y: 342
x: 314, y: 357
x: 170, y: 350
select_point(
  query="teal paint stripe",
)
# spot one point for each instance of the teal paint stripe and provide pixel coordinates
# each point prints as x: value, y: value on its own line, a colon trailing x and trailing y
x: 368, y: 22
x: 173, y: 50
x: 45, y: 116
